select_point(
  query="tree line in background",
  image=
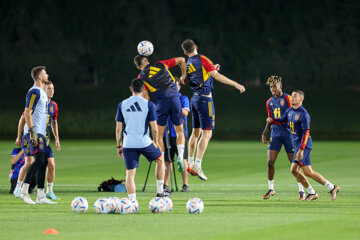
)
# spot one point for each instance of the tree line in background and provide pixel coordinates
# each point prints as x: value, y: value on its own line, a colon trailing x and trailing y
x: 89, y: 46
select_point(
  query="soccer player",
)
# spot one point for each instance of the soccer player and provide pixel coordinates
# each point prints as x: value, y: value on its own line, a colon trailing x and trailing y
x: 299, y: 123
x: 185, y: 109
x: 134, y: 115
x: 34, y: 142
x: 161, y: 83
x: 200, y: 74
x: 280, y: 134
x: 52, y: 125
x: 17, y: 161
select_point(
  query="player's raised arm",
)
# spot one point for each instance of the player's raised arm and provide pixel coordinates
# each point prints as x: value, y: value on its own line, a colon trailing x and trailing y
x: 182, y: 63
x: 20, y: 130
x: 223, y: 79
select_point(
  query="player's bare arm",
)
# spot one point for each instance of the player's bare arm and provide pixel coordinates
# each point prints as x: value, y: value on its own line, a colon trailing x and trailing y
x: 182, y: 63
x: 118, y: 132
x: 265, y: 133
x: 20, y: 130
x: 55, y: 130
x: 221, y: 78
x: 154, y: 131
x: 16, y: 158
x: 184, y: 112
x: 29, y: 122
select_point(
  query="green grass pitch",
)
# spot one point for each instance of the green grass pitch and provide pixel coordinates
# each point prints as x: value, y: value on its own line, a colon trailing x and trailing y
x: 232, y: 196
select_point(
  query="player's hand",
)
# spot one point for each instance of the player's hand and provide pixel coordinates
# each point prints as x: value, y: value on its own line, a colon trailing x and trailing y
x: 269, y: 120
x: 18, y: 141
x: 240, y: 87
x: 57, y: 143
x: 33, y: 137
x: 120, y: 152
x: 263, y: 139
x: 300, y: 155
x: 217, y: 67
x: 183, y: 80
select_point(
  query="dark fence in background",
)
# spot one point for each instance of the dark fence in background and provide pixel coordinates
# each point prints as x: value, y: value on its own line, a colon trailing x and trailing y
x: 88, y: 48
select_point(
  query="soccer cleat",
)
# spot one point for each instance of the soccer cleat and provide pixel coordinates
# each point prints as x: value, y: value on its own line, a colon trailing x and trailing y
x: 180, y: 164
x: 51, y: 195
x: 17, y: 192
x: 26, y: 198
x: 44, y: 200
x: 189, y: 169
x: 301, y: 196
x: 311, y: 197
x: 334, y: 192
x: 185, y: 188
x: 199, y: 172
x: 166, y: 188
x: 268, y: 194
x: 163, y: 194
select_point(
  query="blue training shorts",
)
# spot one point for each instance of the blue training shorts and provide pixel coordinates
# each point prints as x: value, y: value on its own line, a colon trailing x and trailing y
x: 49, y: 152
x: 166, y: 107
x: 277, y: 142
x: 203, y: 112
x: 306, y: 157
x: 30, y: 150
x: 132, y: 155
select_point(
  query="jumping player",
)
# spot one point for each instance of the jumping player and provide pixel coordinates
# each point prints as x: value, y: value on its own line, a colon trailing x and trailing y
x: 280, y: 134
x: 159, y: 80
x: 134, y: 115
x: 34, y: 142
x: 299, y: 123
x: 185, y: 109
x: 200, y: 74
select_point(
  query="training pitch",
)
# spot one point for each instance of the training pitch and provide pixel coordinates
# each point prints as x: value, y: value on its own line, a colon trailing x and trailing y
x: 232, y: 196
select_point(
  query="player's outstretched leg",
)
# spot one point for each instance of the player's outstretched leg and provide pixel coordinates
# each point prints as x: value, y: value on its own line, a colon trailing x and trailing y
x: 130, y: 184
x: 159, y: 175
x: 50, y: 179
x: 202, y: 145
x: 334, y: 189
x: 180, y: 144
x: 193, y: 140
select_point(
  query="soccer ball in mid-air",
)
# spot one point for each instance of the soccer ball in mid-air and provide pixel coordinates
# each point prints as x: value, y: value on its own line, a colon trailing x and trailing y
x: 169, y: 204
x: 79, y: 204
x: 195, y: 205
x: 103, y: 206
x: 135, y: 206
x: 145, y: 48
x: 124, y: 206
x: 157, y: 205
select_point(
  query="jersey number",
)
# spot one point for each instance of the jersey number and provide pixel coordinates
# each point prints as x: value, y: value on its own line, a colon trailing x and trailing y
x: 277, y: 113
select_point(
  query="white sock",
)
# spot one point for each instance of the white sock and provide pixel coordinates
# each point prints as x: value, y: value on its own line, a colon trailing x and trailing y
x: 271, y: 184
x: 181, y: 148
x: 329, y: 185
x: 198, y: 162
x: 25, y: 188
x: 18, y: 184
x: 159, y: 186
x: 132, y: 196
x: 301, y: 187
x: 191, y: 160
x: 40, y: 193
x: 310, y: 190
x: 49, y: 187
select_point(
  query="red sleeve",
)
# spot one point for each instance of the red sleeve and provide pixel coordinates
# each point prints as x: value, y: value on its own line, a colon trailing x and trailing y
x: 139, y: 76
x: 268, y: 108
x: 207, y: 63
x: 288, y: 99
x: 56, y: 111
x: 305, y: 139
x: 169, y: 63
x: 145, y: 87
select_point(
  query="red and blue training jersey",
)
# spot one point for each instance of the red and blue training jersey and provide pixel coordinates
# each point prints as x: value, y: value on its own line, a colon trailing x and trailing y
x: 299, y: 124
x: 276, y: 108
x: 198, y: 69
x: 17, y: 166
x: 52, y: 114
x: 159, y: 80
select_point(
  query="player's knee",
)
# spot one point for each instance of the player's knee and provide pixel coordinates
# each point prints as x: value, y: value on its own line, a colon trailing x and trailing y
x: 159, y: 161
x: 270, y: 165
x: 294, y: 171
x: 307, y: 173
x: 207, y: 134
x: 196, y: 132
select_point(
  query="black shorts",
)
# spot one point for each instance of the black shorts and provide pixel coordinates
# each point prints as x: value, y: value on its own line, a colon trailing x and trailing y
x: 173, y: 149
